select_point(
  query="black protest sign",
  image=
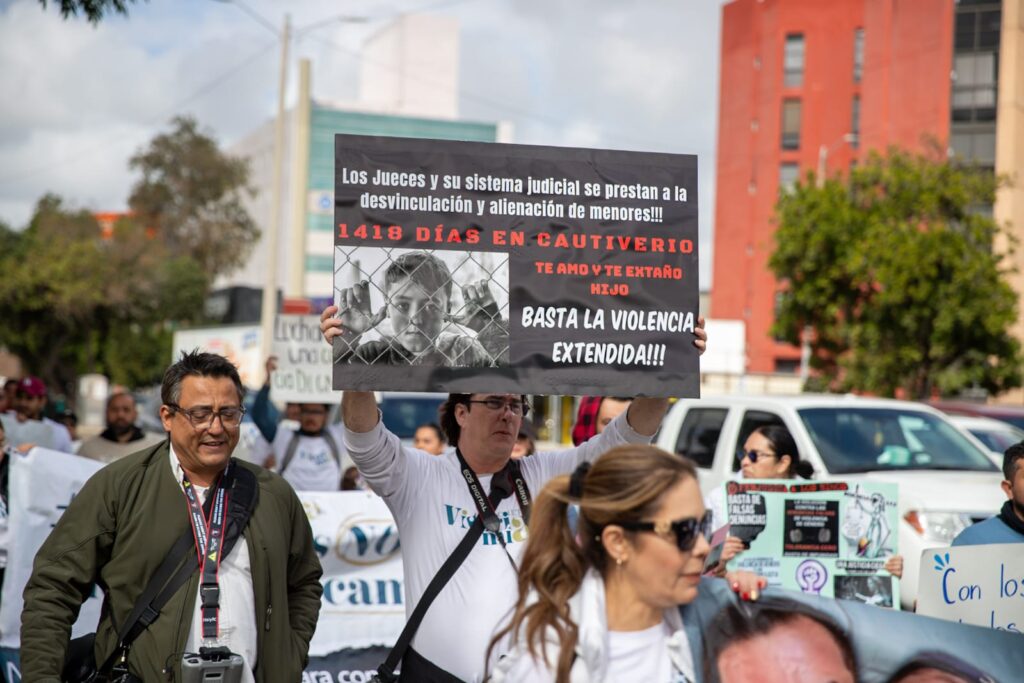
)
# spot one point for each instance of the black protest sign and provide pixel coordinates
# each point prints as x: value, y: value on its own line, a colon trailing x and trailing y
x: 474, y: 267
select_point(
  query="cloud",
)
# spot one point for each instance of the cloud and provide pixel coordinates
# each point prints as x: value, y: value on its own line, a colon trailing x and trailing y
x: 79, y: 99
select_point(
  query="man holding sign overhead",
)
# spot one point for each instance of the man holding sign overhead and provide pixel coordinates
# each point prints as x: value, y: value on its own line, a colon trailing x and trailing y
x: 575, y: 270
x: 434, y: 501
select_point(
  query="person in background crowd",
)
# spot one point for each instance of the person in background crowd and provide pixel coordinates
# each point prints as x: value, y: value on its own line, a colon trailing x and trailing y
x: 265, y: 416
x: 29, y: 402
x: 594, y: 414
x: 770, y: 452
x: 776, y: 643
x: 7, y: 395
x: 432, y: 501
x: 605, y: 607
x: 312, y: 457
x: 429, y: 438
x: 120, y: 527
x: 122, y: 436
x: 524, y: 441
x: 1008, y: 525
x: 70, y: 422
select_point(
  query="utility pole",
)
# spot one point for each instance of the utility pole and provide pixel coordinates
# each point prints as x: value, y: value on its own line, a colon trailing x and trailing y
x: 269, y: 309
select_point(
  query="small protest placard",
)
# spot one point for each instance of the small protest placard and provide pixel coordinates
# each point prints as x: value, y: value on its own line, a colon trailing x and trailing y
x: 512, y: 268
x: 823, y: 538
x: 974, y: 584
x: 303, y: 372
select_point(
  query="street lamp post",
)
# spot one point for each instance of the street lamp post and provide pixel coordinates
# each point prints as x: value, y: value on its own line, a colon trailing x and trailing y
x: 824, y: 151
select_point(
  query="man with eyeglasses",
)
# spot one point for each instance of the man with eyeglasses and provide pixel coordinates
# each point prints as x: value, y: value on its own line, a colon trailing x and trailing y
x: 261, y: 597
x: 434, y: 501
x: 312, y: 457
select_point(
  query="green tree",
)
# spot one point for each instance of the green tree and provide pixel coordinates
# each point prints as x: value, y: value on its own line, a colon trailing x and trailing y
x: 192, y: 195
x: 72, y: 302
x: 896, y: 272
x: 92, y: 9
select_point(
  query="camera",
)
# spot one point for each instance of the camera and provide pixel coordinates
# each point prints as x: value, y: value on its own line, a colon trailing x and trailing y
x: 212, y: 665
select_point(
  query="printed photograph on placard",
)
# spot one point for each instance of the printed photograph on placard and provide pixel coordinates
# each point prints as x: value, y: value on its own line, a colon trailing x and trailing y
x: 419, y: 307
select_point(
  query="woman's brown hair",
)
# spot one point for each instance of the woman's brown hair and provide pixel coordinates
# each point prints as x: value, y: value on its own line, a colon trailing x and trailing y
x: 625, y: 484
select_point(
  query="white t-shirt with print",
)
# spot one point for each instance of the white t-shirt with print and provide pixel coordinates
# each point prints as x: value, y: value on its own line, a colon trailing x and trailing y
x: 313, y: 467
x: 433, y: 510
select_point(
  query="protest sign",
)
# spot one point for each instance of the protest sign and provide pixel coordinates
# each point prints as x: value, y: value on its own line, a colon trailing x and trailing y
x: 974, y: 584
x: 512, y: 268
x: 825, y: 538
x: 240, y: 344
x: 41, y: 484
x: 303, y: 372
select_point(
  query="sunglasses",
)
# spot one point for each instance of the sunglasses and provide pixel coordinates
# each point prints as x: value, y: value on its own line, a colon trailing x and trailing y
x: 753, y: 455
x: 685, y: 530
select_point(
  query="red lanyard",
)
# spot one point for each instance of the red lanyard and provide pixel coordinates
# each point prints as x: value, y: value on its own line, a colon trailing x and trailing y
x: 209, y: 535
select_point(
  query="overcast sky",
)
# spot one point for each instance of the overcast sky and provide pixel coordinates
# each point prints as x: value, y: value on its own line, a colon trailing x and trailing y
x: 78, y: 100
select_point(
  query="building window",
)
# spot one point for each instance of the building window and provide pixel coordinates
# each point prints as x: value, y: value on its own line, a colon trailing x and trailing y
x: 789, y: 174
x: 977, y: 146
x: 793, y: 61
x: 858, y: 55
x: 855, y: 121
x: 974, y: 90
x: 791, y: 124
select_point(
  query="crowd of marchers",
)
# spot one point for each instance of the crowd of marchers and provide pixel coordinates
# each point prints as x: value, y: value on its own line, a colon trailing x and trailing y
x: 574, y: 565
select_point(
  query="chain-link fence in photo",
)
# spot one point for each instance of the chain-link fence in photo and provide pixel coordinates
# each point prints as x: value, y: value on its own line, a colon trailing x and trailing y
x: 416, y: 307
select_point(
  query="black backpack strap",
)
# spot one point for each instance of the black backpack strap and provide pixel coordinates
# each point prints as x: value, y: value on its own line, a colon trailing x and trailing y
x: 289, y: 453
x: 386, y: 671
x: 165, y: 582
x: 333, y: 445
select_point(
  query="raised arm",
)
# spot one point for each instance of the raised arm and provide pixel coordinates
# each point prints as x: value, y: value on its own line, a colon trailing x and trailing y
x: 644, y: 414
x: 358, y: 408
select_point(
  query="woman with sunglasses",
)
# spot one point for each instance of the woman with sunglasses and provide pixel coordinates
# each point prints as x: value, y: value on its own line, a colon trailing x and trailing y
x: 605, y: 607
x: 770, y: 452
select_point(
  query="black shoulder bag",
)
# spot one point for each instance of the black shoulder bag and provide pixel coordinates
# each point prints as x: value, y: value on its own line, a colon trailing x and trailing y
x: 415, y: 668
x: 80, y: 662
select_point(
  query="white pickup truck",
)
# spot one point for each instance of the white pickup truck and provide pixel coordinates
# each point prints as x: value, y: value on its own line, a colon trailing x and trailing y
x: 946, y: 480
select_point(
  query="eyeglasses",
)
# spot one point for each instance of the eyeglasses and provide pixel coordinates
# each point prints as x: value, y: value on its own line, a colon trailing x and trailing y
x: 521, y: 408
x: 685, y: 530
x: 202, y: 417
x: 753, y: 455
x: 312, y: 411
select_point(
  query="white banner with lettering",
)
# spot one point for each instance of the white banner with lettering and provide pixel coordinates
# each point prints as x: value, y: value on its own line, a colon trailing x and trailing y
x: 41, y: 485
x: 974, y: 584
x: 354, y: 533
x: 304, y: 362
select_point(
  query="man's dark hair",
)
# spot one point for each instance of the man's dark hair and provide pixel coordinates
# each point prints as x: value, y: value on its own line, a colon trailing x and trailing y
x: 446, y: 413
x: 196, y: 363
x: 739, y: 622
x: 435, y: 428
x: 10, y: 382
x: 1011, y: 457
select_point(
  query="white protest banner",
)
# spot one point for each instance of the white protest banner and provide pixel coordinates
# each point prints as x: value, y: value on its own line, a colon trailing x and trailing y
x: 303, y: 372
x: 364, y: 592
x: 240, y: 344
x: 42, y: 483
x: 974, y: 584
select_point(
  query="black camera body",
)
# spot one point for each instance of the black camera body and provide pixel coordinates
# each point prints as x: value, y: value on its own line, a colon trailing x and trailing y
x: 212, y: 665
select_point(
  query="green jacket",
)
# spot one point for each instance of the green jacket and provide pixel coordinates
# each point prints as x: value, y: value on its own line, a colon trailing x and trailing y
x: 117, y: 531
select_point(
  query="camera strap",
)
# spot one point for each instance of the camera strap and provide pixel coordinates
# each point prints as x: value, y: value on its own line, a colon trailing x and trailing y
x: 386, y: 671
x: 208, y: 532
x: 173, y: 573
x: 508, y: 480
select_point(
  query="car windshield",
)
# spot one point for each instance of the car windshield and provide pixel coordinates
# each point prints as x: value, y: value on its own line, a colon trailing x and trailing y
x: 997, y: 440
x: 403, y: 415
x: 865, y: 439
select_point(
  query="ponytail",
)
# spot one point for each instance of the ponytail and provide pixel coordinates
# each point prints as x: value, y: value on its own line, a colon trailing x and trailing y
x: 553, y: 565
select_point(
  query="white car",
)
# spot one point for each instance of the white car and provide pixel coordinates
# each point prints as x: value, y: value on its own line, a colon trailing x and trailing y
x: 995, y: 435
x: 946, y: 481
